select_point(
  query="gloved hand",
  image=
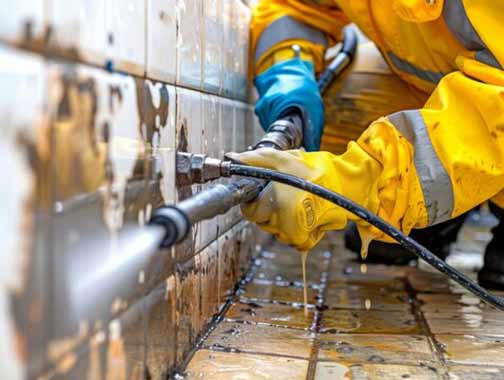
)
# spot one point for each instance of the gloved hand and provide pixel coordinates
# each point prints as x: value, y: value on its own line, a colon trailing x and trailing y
x: 299, y: 218
x: 291, y: 84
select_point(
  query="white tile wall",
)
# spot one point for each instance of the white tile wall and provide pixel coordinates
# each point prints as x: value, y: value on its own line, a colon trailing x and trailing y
x: 164, y: 150
x: 126, y: 29
x: 213, y: 45
x: 189, y: 43
x: 228, y: 9
x: 78, y: 28
x: 241, y: 21
x: 21, y: 17
x: 162, y: 40
x: 20, y: 74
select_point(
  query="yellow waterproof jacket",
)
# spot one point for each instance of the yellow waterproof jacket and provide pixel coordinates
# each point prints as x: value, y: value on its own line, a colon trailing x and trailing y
x: 446, y: 158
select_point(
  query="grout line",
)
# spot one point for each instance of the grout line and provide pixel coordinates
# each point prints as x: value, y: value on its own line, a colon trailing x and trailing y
x: 54, y: 57
x: 324, y: 280
x: 217, y: 318
x: 424, y: 326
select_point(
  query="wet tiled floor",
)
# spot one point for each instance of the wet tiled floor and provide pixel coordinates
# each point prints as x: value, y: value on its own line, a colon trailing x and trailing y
x: 364, y: 323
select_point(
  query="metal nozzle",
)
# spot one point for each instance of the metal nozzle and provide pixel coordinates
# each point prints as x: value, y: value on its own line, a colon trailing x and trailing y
x: 199, y: 168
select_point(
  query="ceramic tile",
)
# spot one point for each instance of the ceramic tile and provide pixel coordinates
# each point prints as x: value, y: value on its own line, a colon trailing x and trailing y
x: 210, y: 297
x: 125, y: 28
x: 162, y: 40
x: 337, y: 371
x: 429, y: 282
x: 475, y: 323
x: 358, y: 297
x: 283, y: 294
x: 241, y: 20
x: 377, y: 349
x: 78, y: 29
x: 260, y: 339
x: 247, y: 246
x: 190, y: 43
x: 229, y: 30
x: 213, y: 47
x: 188, y: 305
x: 461, y: 303
x: 24, y: 128
x: 233, y: 366
x: 471, y: 349
x: 372, y: 321
x: 22, y: 20
x: 271, y: 314
x: 460, y: 372
x: 228, y: 265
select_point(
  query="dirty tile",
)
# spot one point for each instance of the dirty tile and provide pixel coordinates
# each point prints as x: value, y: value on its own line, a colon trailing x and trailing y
x: 22, y: 21
x: 162, y: 40
x: 358, y: 297
x: 261, y: 339
x: 378, y: 349
x: 190, y: 44
x: 78, y: 30
x: 246, y: 242
x: 443, y: 303
x: 272, y: 314
x: 210, y: 297
x: 233, y: 366
x: 285, y: 294
x: 373, y: 275
x: 476, y: 323
x: 188, y: 304
x: 372, y: 321
x: 228, y: 265
x: 125, y: 28
x: 470, y: 349
x: 430, y: 282
x: 337, y: 371
x: 161, y: 331
x: 462, y: 372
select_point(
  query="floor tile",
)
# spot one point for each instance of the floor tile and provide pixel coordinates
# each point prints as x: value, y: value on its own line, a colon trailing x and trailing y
x: 335, y: 371
x: 208, y: 364
x: 364, y: 321
x: 261, y: 339
x: 461, y: 372
x: 470, y: 349
x: 432, y: 282
x: 369, y: 274
x: 268, y: 292
x: 273, y: 314
x: 483, y: 323
x: 458, y: 303
x: 358, y: 297
x: 378, y: 349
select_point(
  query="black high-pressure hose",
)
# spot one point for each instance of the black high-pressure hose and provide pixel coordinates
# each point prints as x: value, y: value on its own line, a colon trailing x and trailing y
x: 368, y: 216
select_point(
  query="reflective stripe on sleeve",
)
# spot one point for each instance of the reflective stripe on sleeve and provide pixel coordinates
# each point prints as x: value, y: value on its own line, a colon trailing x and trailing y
x: 287, y: 28
x: 459, y: 24
x: 407, y: 67
x: 436, y: 184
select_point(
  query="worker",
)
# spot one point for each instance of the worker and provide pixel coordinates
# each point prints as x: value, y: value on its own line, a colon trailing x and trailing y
x: 424, y: 103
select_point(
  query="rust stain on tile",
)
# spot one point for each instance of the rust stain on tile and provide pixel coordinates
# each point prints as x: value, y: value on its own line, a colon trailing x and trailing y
x: 242, y: 337
x: 349, y: 371
x: 271, y: 314
x: 471, y: 349
x: 271, y: 292
x: 233, y: 366
x: 364, y: 321
x: 378, y: 349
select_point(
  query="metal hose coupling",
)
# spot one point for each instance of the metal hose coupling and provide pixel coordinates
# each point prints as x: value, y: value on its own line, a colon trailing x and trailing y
x: 199, y: 168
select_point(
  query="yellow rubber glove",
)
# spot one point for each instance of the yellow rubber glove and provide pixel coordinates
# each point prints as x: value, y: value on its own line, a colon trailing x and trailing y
x: 299, y: 218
